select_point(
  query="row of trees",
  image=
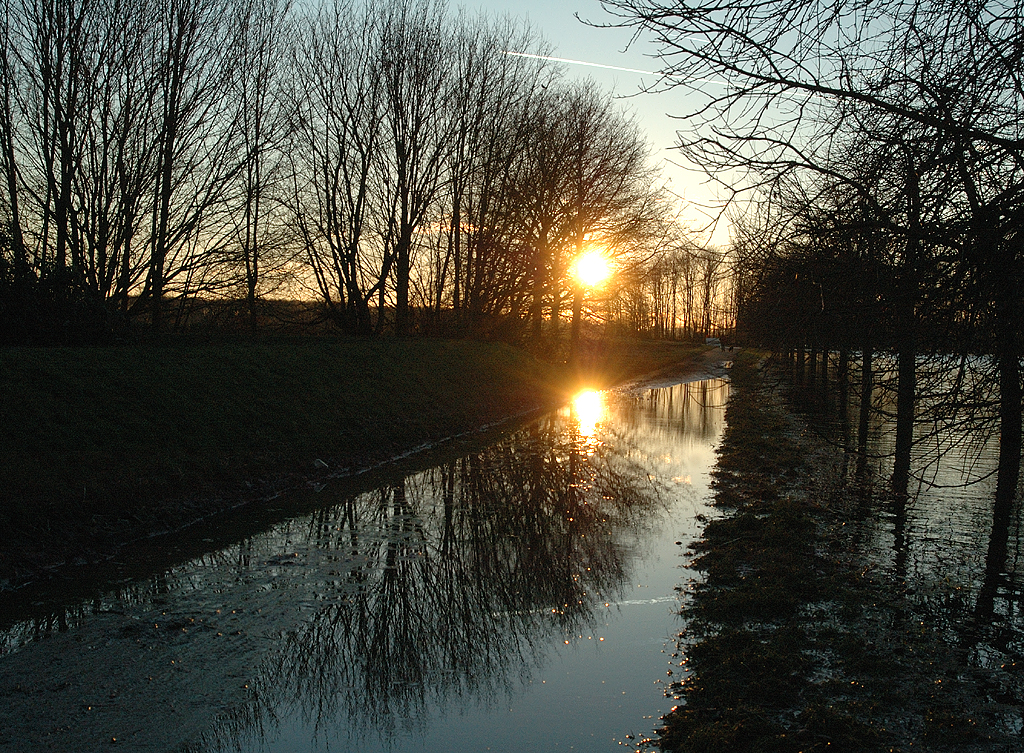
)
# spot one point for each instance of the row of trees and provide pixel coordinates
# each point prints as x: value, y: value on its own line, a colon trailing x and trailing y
x: 876, y: 151
x: 882, y: 148
x: 683, y: 292
x: 384, y: 159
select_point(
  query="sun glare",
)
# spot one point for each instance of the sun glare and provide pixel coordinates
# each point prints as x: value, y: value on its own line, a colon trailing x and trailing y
x: 588, y: 407
x: 592, y: 269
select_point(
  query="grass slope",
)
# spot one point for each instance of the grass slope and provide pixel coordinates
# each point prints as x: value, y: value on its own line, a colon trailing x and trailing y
x: 106, y: 445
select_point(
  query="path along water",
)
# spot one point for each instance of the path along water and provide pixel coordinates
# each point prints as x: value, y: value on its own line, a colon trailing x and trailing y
x: 519, y: 596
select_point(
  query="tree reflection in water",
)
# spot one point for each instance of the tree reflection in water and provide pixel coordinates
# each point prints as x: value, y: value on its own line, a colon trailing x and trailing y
x: 447, y: 583
x: 443, y: 590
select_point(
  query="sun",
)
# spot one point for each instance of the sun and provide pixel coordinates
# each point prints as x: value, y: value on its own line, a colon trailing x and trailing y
x: 592, y: 269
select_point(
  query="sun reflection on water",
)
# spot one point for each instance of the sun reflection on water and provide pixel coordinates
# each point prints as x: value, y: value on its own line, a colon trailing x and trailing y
x: 588, y: 409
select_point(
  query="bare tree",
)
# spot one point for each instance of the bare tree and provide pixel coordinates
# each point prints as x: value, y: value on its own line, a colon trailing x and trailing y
x: 196, y: 142
x: 176, y: 149
x: 8, y: 159
x: 78, y: 136
x: 586, y: 179
x: 335, y: 152
x: 786, y: 83
x: 541, y: 197
x: 257, y: 79
x: 416, y: 47
x: 610, y: 191
x: 494, y: 92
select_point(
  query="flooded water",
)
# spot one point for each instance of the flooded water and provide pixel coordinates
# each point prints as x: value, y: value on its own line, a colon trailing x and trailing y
x: 962, y: 572
x: 939, y: 532
x: 522, y: 596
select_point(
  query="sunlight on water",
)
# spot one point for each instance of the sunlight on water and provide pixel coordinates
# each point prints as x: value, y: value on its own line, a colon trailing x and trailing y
x: 520, y: 596
x: 588, y: 410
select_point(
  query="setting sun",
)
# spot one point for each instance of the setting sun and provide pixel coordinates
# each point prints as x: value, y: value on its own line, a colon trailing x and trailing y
x: 592, y: 269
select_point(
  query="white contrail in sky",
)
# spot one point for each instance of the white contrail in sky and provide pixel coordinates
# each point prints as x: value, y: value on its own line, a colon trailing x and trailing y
x: 578, y: 62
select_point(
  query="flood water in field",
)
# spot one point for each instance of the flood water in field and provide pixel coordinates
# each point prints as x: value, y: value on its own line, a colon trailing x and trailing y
x: 518, y: 596
x: 962, y: 571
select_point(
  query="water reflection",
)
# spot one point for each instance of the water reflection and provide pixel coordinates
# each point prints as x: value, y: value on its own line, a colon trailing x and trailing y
x: 443, y: 584
x: 934, y: 537
x: 384, y: 609
x: 932, y: 527
x: 950, y: 541
x: 588, y: 408
x: 453, y: 599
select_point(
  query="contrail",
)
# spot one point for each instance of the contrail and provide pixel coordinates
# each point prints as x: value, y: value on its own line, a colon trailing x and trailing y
x: 578, y: 62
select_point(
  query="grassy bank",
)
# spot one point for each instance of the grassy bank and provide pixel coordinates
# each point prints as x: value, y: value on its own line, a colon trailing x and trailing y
x: 792, y: 643
x: 107, y: 445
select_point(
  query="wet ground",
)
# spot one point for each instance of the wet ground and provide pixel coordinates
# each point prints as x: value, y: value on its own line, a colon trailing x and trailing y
x: 834, y: 613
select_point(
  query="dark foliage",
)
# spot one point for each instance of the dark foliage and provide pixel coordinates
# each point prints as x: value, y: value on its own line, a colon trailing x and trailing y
x: 47, y: 305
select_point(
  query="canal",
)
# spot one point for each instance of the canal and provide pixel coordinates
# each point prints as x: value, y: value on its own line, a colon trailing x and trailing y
x: 516, y: 595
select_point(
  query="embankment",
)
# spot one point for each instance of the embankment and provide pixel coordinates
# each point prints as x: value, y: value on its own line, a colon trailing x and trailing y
x: 108, y: 445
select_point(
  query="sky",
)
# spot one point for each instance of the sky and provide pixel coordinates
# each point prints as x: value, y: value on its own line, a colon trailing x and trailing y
x: 556, y: 21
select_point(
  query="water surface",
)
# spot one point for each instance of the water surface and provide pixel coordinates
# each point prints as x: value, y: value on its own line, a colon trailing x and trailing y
x: 522, y: 596
x: 941, y: 542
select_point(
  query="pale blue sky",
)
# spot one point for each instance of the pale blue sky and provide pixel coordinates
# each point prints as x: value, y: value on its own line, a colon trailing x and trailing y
x: 556, y: 22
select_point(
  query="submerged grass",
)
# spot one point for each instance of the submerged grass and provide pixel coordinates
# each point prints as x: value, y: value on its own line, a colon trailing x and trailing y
x: 791, y: 643
x: 106, y: 445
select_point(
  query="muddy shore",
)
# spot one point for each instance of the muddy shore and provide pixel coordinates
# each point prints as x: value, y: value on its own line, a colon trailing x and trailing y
x: 796, y: 639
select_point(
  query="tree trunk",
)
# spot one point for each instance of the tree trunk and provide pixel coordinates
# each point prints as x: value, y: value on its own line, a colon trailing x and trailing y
x: 577, y: 315
x: 906, y: 322
x: 403, y: 325
x: 867, y: 380
x: 539, y: 279
x: 456, y: 252
x: 176, y: 64
x: 906, y: 392
x: 17, y: 240
x: 1007, y: 479
x: 843, y: 379
x: 812, y: 369
x: 1008, y: 356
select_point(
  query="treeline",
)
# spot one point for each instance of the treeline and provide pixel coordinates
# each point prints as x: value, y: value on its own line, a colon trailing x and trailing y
x: 876, y: 153
x: 398, y: 163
